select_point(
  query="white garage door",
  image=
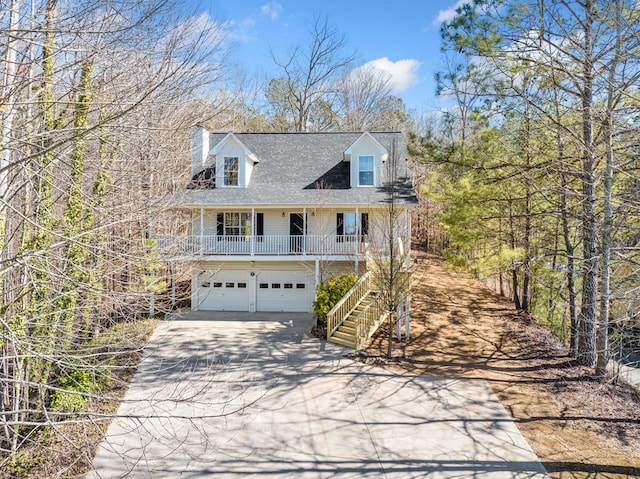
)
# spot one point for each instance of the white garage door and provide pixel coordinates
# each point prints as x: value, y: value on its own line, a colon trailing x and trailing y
x: 223, y: 291
x: 282, y: 291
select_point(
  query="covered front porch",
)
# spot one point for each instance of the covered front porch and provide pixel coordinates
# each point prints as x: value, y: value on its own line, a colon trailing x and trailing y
x: 283, y: 231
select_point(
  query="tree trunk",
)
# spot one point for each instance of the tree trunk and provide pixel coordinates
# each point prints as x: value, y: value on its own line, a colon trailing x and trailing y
x: 602, y: 331
x: 8, y: 94
x: 588, y: 307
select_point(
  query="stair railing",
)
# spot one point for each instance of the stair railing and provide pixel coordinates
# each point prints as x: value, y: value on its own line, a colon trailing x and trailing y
x: 343, y: 308
x: 369, y: 320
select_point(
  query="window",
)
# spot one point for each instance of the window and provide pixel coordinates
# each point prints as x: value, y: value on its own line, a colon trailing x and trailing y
x: 264, y: 285
x: 275, y: 285
x: 217, y: 285
x: 300, y: 285
x: 234, y: 224
x: 288, y: 285
x: 365, y: 171
x: 351, y: 224
x: 238, y: 225
x: 242, y: 285
x: 228, y: 285
x: 230, y: 171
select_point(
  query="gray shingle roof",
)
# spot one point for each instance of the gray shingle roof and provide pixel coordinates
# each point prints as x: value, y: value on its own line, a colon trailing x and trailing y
x: 302, y: 169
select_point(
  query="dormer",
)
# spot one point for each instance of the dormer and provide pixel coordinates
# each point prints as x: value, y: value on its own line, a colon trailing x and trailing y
x: 366, y: 156
x: 234, y: 162
x: 229, y: 160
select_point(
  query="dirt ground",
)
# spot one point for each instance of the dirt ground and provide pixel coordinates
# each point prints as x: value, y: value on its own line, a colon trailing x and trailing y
x: 579, y: 427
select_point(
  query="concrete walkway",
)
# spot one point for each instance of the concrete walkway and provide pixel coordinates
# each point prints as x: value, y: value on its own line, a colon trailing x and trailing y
x: 629, y: 370
x: 255, y: 396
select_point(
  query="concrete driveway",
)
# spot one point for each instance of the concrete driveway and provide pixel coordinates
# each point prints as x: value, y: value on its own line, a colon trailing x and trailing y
x: 255, y: 396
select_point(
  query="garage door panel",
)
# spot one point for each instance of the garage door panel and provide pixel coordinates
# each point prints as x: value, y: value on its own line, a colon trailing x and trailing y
x: 282, y: 291
x: 224, y: 291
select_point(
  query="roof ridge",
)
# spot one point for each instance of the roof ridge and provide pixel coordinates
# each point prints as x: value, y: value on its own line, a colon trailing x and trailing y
x: 302, y: 132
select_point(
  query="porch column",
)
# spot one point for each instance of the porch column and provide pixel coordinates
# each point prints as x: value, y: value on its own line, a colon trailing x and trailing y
x: 356, y: 243
x: 253, y: 231
x: 201, y: 231
x: 304, y: 230
x: 317, y: 274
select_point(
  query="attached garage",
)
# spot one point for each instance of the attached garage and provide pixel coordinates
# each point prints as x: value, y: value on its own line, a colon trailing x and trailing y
x: 282, y: 291
x: 252, y: 289
x: 224, y: 290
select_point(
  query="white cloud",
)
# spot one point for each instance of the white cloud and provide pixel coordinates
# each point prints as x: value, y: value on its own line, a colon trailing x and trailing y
x: 272, y: 10
x: 448, y: 14
x: 403, y: 73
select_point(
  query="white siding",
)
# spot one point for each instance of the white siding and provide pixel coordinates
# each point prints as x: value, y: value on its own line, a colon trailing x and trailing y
x: 248, y: 168
x: 275, y: 223
x: 210, y: 223
x: 323, y: 223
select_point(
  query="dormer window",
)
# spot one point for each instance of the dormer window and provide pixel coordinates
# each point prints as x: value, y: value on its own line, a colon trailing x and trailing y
x: 365, y: 171
x: 366, y: 156
x: 230, y: 171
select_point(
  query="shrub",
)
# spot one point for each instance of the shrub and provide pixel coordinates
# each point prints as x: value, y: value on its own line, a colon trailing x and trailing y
x: 330, y: 292
x: 74, y: 385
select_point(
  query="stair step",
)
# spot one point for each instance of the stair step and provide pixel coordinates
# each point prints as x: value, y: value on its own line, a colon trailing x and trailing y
x: 342, y: 342
x: 347, y: 329
x: 343, y: 335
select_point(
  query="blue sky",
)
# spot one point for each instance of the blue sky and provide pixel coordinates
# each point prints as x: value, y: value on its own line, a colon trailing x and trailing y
x: 401, y: 36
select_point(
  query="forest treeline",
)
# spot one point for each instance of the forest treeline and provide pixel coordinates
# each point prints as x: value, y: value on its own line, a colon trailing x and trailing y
x: 534, y: 168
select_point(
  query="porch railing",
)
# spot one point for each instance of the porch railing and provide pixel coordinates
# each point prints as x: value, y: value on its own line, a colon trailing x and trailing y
x: 342, y: 309
x: 263, y: 245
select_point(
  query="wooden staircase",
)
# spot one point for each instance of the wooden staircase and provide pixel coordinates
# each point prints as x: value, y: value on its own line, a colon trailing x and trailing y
x: 347, y: 332
x: 357, y: 315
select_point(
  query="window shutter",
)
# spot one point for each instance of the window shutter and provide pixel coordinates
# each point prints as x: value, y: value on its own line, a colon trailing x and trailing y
x: 259, y: 224
x: 220, y: 224
x: 364, y: 224
x: 340, y: 226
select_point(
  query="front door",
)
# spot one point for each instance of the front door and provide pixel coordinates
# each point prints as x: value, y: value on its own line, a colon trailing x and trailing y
x: 296, y: 231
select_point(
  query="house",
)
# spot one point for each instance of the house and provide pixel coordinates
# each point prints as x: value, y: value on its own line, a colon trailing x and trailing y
x: 273, y: 214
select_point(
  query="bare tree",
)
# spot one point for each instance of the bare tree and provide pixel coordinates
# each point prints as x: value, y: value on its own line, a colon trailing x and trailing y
x: 310, y: 75
x: 98, y: 93
x: 361, y: 91
x: 390, y: 248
